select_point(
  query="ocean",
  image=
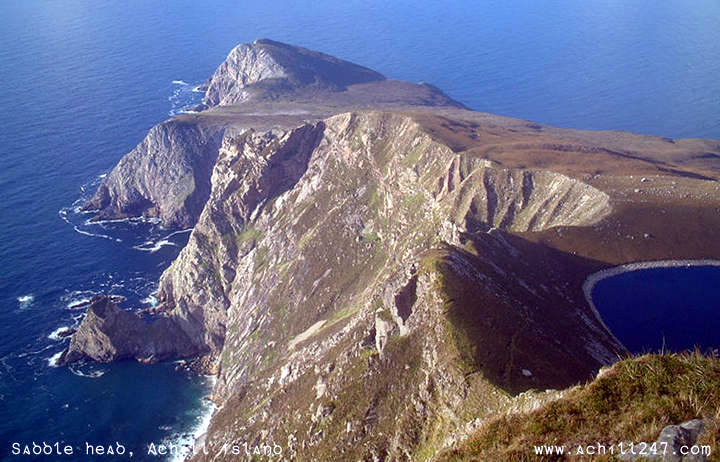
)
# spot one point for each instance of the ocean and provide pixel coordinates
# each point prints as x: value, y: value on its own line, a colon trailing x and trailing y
x: 84, y: 80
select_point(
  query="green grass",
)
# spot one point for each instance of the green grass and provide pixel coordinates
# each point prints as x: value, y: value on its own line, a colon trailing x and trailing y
x: 248, y: 234
x: 414, y: 155
x: 631, y: 402
x: 376, y: 201
x: 371, y: 237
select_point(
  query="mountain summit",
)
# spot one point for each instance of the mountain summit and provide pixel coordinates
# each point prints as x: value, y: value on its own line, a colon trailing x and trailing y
x: 266, y: 68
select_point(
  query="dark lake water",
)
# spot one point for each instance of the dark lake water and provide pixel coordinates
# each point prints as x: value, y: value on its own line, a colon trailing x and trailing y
x: 83, y: 81
x: 675, y: 307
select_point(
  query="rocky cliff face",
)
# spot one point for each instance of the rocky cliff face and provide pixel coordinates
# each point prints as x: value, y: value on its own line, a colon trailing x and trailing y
x: 252, y: 169
x: 332, y: 256
x: 167, y: 176
x: 266, y: 68
x: 393, y: 208
x: 376, y: 284
x: 263, y: 84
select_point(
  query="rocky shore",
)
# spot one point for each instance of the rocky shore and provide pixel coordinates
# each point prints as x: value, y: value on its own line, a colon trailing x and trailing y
x: 109, y: 333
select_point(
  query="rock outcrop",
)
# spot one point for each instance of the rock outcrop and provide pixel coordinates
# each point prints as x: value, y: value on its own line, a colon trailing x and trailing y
x: 520, y: 199
x: 109, y: 333
x: 167, y: 176
x: 679, y: 438
x: 268, y: 69
x: 252, y: 169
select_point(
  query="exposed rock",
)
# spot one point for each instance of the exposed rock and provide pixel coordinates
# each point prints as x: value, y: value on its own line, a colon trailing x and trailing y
x: 109, y: 333
x: 676, y: 436
x: 252, y: 169
x: 383, y: 330
x: 520, y: 200
x: 274, y: 260
x: 67, y: 332
x: 167, y: 176
x: 266, y: 68
x: 672, y: 438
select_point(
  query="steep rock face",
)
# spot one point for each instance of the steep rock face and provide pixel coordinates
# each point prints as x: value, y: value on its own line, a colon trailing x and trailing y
x: 266, y: 68
x: 520, y: 199
x: 317, y: 272
x: 252, y: 168
x: 167, y: 176
x: 109, y: 333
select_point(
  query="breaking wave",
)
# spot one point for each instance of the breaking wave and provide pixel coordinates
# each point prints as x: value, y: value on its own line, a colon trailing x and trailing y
x: 25, y: 300
x: 184, y: 97
x: 53, y: 361
x: 90, y: 373
x: 195, y: 437
x: 56, y: 334
x: 152, y: 247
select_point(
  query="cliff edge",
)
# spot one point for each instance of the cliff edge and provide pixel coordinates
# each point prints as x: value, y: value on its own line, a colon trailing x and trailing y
x: 260, y: 85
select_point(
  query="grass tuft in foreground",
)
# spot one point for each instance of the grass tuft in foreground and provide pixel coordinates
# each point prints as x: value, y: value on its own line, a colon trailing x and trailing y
x: 632, y: 401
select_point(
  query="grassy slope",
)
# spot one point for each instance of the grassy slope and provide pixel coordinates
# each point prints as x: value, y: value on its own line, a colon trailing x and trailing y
x: 633, y: 401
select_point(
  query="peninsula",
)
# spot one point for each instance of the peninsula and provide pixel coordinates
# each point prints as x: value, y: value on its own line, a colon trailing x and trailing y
x: 376, y: 272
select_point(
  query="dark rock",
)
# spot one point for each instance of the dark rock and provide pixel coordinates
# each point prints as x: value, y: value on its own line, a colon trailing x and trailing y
x: 167, y: 176
x: 65, y: 332
x: 677, y: 436
x: 109, y: 333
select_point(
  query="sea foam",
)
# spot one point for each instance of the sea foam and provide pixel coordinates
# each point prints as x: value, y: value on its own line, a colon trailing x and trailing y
x: 53, y: 361
x: 25, y: 300
x: 195, y: 438
x: 152, y: 247
x: 55, y: 335
x: 104, y: 236
x: 91, y: 374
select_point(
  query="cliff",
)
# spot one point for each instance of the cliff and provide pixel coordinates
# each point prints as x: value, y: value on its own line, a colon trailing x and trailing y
x: 260, y: 85
x: 167, y: 176
x: 374, y: 284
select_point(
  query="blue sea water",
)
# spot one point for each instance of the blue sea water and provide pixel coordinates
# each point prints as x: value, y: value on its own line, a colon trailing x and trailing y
x: 674, y: 309
x: 82, y: 81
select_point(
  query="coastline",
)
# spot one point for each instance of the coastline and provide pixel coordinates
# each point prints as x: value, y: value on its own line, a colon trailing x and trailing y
x: 598, y: 276
x: 195, y: 438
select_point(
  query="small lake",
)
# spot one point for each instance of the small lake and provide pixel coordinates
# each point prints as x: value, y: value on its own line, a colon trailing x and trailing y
x: 677, y: 306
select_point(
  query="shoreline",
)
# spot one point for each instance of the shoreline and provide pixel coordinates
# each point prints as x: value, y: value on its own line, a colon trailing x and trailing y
x: 195, y: 438
x: 592, y: 280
